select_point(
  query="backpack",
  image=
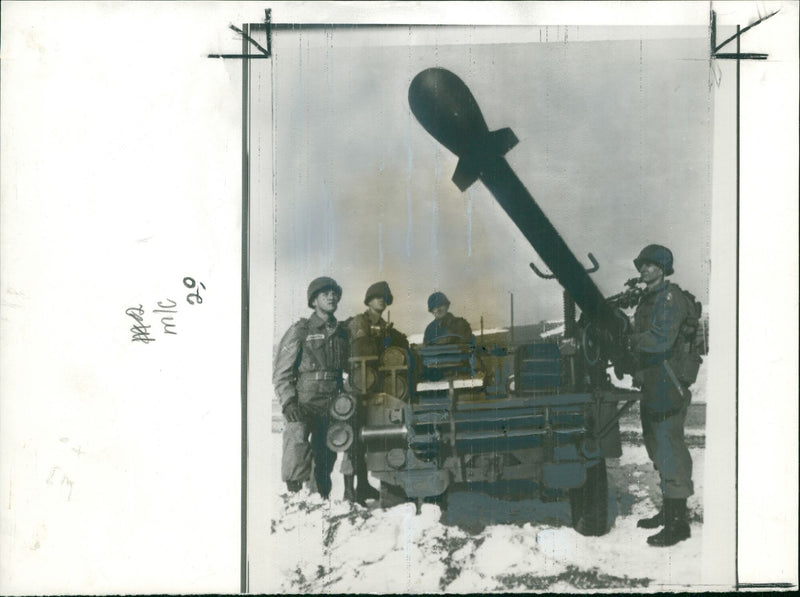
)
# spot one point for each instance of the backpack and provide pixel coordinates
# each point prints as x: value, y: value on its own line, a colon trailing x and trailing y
x: 686, y: 359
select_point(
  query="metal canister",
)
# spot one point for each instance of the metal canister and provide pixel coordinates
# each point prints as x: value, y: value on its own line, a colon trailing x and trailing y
x: 393, y: 356
x: 340, y: 437
x: 363, y: 378
x: 396, y: 385
x: 343, y: 407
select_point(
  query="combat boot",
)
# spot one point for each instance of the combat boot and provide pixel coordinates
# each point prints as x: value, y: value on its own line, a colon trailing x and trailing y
x: 320, y: 484
x: 653, y: 522
x: 349, y: 489
x: 366, y: 492
x: 294, y: 486
x: 676, y: 524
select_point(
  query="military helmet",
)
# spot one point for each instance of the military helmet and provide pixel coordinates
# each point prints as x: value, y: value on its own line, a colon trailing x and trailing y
x: 379, y: 290
x: 657, y: 254
x: 318, y: 285
x: 437, y: 299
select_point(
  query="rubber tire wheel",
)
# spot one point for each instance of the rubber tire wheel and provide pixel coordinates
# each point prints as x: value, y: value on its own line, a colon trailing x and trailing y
x: 589, y: 503
x: 391, y: 495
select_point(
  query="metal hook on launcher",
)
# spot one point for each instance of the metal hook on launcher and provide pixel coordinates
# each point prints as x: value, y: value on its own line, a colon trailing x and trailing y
x: 544, y: 276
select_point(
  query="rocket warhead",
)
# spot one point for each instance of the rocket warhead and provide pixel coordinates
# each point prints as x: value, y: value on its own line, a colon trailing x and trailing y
x: 446, y: 108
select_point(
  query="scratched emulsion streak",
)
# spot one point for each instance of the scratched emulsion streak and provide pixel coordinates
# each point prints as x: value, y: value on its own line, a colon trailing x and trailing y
x: 380, y: 247
x: 330, y: 194
x: 303, y: 236
x: 409, y: 170
x: 437, y: 169
x: 469, y: 222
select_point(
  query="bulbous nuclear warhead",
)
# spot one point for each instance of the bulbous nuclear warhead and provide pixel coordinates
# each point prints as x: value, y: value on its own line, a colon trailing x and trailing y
x: 446, y: 108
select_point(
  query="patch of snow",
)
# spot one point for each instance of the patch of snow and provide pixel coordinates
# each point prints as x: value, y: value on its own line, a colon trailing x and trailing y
x: 554, y: 332
x: 481, y: 544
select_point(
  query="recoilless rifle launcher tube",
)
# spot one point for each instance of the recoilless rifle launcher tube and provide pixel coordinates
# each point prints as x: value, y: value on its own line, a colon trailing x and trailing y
x: 446, y: 108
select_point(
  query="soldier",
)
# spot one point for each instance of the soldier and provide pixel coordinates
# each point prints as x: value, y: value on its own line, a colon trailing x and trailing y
x: 307, y: 373
x: 655, y: 344
x: 370, y: 335
x: 445, y: 326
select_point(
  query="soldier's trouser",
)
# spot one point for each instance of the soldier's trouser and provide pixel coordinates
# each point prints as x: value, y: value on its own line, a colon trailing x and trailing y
x: 666, y: 447
x: 301, y: 456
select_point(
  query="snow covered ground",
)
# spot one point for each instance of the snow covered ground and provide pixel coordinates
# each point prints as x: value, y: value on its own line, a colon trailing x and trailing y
x: 484, y: 544
x: 481, y: 544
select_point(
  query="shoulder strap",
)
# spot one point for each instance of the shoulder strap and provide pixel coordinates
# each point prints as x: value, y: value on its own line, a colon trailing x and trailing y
x: 689, y: 329
x: 302, y: 331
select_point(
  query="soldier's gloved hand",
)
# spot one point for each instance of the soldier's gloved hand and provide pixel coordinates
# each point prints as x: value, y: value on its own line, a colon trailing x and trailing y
x: 292, y: 411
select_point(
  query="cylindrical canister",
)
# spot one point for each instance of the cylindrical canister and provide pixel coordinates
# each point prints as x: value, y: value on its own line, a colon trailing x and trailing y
x: 396, y: 385
x: 393, y: 356
x: 343, y: 407
x: 363, y: 378
x: 340, y: 437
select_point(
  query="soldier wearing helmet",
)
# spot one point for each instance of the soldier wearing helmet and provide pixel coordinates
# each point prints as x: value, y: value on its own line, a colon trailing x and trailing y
x: 445, y: 326
x: 658, y: 320
x: 370, y: 335
x: 307, y: 373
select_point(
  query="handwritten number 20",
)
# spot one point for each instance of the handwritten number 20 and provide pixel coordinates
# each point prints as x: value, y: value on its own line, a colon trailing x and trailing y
x: 193, y: 297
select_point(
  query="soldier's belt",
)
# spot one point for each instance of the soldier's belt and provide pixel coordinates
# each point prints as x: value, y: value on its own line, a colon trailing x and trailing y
x: 320, y: 375
x: 651, y: 359
x: 660, y: 417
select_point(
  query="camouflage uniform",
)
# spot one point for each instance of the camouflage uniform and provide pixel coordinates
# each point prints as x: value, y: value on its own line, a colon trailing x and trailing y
x: 308, y: 368
x: 657, y: 325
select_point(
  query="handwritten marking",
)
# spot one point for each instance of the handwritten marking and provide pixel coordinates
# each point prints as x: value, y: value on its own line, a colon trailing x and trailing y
x: 165, y: 321
x: 52, y: 473
x: 140, y: 331
x: 65, y: 481
x: 168, y: 325
x: 68, y: 483
x: 190, y: 283
x: 165, y: 310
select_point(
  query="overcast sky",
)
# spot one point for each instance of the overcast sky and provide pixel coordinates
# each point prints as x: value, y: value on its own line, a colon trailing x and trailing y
x: 614, y: 145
